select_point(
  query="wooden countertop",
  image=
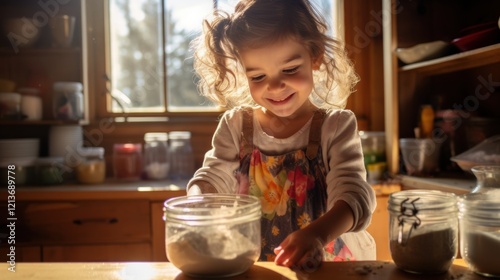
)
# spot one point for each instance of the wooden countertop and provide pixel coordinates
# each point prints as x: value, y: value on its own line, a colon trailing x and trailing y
x: 259, y: 271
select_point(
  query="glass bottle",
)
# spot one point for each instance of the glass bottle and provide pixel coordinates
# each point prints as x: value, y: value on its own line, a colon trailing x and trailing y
x: 488, y: 179
x: 181, y: 151
x: 423, y: 230
x: 479, y: 215
x: 156, y: 155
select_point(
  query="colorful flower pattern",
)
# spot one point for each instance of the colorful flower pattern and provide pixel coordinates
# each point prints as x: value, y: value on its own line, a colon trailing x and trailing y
x: 292, y: 190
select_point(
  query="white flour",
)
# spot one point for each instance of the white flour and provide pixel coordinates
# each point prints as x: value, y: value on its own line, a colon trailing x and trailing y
x: 212, y: 252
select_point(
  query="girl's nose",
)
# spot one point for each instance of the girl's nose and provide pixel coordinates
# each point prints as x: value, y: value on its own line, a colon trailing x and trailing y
x: 275, y: 85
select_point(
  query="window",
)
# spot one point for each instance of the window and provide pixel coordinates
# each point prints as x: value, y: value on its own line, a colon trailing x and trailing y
x: 149, y: 67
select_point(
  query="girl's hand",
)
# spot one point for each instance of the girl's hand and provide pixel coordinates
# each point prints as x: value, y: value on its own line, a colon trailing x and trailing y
x: 301, y: 249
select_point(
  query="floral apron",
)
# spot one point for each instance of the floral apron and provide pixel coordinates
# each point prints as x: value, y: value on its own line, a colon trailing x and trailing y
x: 291, y: 188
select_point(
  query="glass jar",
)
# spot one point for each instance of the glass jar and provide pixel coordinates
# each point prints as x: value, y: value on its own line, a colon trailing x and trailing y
x: 423, y: 230
x: 156, y: 155
x: 50, y: 170
x: 91, y: 168
x: 488, y: 179
x: 68, y: 101
x: 127, y: 161
x: 480, y: 232
x: 212, y: 235
x: 181, y: 151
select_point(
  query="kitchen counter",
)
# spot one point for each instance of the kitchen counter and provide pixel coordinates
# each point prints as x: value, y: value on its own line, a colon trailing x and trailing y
x: 109, y: 190
x: 259, y: 271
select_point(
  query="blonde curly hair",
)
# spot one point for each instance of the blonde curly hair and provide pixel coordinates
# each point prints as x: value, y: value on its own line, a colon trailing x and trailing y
x: 254, y: 24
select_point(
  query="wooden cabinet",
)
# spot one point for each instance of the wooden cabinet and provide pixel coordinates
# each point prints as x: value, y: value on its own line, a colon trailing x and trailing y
x: 379, y: 228
x: 41, y: 64
x: 98, y: 224
x: 466, y: 82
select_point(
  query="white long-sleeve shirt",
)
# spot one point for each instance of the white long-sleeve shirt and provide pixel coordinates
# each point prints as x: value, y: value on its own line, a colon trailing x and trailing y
x: 341, y: 152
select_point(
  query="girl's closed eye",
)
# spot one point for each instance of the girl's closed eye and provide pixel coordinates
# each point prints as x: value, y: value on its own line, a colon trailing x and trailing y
x: 257, y: 78
x: 292, y: 70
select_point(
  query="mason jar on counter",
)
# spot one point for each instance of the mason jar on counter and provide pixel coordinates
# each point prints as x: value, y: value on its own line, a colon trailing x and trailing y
x: 50, y: 170
x: 127, y: 161
x: 92, y: 167
x: 181, y: 152
x: 479, y: 215
x: 156, y: 155
x: 423, y: 230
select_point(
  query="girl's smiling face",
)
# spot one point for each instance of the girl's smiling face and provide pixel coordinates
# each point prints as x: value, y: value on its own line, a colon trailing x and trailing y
x: 280, y: 76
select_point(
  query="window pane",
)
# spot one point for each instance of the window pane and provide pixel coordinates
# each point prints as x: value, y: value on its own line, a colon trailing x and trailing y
x: 148, y: 76
x: 136, y: 55
x: 183, y: 23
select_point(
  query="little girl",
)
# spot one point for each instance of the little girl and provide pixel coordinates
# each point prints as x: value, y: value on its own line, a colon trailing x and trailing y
x: 285, y: 137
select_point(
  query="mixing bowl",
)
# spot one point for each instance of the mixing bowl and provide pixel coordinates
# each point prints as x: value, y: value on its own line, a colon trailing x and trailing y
x: 212, y: 235
x: 420, y: 156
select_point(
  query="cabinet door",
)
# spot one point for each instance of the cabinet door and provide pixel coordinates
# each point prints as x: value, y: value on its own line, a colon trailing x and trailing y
x: 21, y: 253
x: 88, y: 222
x: 97, y: 253
x: 158, y: 232
x: 379, y: 228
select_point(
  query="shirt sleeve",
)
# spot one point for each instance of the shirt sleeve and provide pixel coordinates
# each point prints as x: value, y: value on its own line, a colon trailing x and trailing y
x: 346, y: 174
x: 222, y: 159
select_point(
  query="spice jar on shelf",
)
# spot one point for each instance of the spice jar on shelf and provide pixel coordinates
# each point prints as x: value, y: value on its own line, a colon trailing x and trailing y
x: 127, y: 161
x: 68, y: 101
x: 181, y: 151
x: 423, y: 230
x: 92, y: 167
x: 156, y: 155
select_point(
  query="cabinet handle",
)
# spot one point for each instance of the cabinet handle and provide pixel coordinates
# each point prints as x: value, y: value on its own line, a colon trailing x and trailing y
x: 95, y: 220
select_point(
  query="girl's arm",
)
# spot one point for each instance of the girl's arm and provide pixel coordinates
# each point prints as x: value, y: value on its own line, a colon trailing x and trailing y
x: 219, y: 163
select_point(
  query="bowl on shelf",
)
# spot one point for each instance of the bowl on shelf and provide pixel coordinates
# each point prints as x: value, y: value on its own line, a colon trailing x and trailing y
x: 486, y: 153
x: 21, y: 31
x: 477, y: 36
x: 420, y: 156
x: 423, y: 51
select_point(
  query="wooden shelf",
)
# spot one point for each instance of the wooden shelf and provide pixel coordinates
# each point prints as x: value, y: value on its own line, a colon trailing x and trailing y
x: 40, y: 51
x: 454, y: 185
x: 456, y: 62
x: 40, y: 122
